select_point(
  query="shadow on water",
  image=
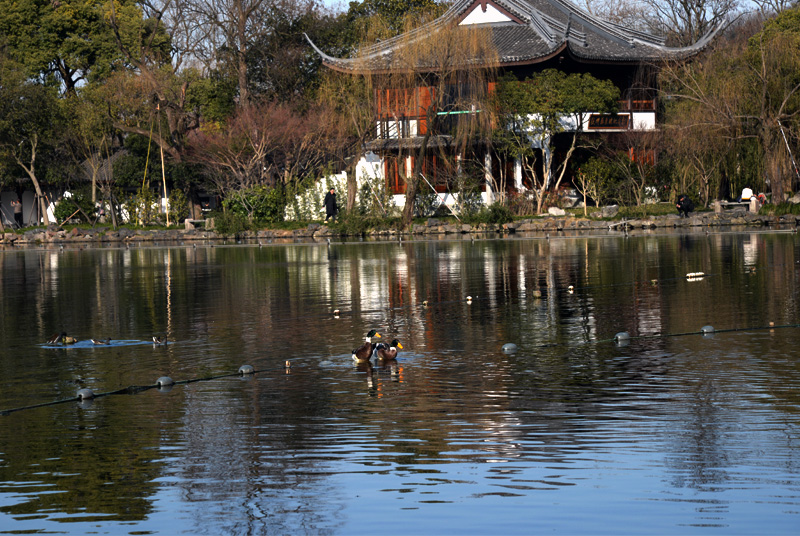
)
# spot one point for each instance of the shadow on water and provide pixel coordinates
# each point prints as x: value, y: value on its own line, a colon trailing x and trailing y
x: 572, y: 432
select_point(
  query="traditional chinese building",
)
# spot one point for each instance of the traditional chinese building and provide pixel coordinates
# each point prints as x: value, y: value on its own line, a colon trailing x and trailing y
x: 528, y: 36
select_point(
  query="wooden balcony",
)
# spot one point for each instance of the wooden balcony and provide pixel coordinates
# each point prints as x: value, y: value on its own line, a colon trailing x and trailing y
x: 637, y: 105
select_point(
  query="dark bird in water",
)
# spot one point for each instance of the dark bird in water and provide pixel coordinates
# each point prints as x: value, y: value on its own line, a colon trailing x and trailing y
x: 365, y: 351
x: 159, y: 341
x: 387, y: 352
x: 61, y: 338
x: 101, y: 341
x: 57, y: 338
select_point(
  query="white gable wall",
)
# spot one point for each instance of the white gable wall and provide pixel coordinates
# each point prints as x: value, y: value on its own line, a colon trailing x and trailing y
x: 479, y: 16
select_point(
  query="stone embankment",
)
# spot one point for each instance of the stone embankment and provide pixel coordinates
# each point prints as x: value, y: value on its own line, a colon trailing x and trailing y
x: 101, y: 235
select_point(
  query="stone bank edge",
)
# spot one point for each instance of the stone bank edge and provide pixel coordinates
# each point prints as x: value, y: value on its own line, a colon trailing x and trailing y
x: 432, y: 226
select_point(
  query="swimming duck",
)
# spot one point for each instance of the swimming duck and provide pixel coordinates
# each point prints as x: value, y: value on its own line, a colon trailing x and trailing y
x: 61, y: 338
x: 159, y: 341
x: 365, y: 351
x: 387, y: 352
x: 101, y: 341
x: 56, y: 337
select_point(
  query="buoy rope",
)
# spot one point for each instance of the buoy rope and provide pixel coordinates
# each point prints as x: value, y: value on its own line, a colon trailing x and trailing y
x: 136, y: 389
x: 686, y: 333
x: 133, y: 390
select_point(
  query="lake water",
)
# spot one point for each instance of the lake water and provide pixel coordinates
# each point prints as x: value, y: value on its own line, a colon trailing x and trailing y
x: 673, y: 432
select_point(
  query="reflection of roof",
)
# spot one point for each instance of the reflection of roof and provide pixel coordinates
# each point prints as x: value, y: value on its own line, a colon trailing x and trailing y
x: 530, y: 31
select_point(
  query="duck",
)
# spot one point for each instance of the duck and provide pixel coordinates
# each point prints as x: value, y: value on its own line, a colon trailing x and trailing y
x: 159, y: 341
x: 56, y: 337
x: 102, y: 341
x: 387, y: 352
x: 61, y: 338
x: 365, y: 351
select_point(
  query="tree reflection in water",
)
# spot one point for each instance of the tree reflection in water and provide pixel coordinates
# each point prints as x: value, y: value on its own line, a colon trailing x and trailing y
x: 569, y: 431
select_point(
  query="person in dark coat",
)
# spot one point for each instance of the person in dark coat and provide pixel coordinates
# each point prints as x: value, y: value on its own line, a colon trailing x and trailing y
x: 330, y: 205
x: 684, y: 205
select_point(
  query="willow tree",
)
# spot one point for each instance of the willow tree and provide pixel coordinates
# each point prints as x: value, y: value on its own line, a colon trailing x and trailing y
x: 431, y: 92
x: 745, y: 89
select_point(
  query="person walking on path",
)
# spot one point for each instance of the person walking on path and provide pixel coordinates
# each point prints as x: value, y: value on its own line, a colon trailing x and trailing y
x: 330, y: 205
x: 17, y: 206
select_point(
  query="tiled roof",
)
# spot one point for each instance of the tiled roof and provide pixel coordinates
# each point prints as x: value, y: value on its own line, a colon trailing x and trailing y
x: 532, y: 31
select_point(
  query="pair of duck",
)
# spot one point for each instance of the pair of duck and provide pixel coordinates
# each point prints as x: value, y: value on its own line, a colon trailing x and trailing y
x: 63, y: 338
x: 381, y: 350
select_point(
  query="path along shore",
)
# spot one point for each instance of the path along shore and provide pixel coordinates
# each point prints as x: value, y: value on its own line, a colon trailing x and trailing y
x: 198, y: 232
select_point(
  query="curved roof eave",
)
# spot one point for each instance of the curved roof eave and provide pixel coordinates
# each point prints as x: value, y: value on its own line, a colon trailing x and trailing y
x: 556, y: 36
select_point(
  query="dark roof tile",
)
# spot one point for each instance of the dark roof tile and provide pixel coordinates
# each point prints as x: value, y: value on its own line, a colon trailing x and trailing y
x: 546, y: 28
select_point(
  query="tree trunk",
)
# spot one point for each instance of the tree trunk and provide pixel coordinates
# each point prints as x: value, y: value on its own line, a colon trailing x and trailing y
x: 31, y: 171
x: 776, y: 158
x: 413, y: 183
x: 352, y: 186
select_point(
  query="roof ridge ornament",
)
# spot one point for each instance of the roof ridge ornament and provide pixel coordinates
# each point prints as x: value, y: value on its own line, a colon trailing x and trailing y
x: 542, y: 29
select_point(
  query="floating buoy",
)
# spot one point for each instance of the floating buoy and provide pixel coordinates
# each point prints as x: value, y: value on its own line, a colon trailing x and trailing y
x: 425, y: 303
x: 469, y: 299
x: 164, y: 381
x: 85, y: 394
x: 246, y: 369
x: 695, y: 276
x: 509, y: 348
x: 537, y: 293
x: 622, y: 336
x: 336, y: 313
x: 570, y: 289
x: 288, y: 364
x: 707, y: 329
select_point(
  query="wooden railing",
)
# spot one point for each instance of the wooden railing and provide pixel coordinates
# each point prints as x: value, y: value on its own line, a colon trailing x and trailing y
x: 637, y: 105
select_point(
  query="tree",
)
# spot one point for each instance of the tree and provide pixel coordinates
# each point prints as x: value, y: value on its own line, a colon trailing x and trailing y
x: 280, y: 63
x: 30, y: 122
x: 152, y: 96
x: 433, y: 76
x: 700, y: 152
x: 682, y: 22
x: 747, y: 88
x: 91, y: 146
x: 231, y: 27
x: 66, y: 40
x: 393, y: 14
x: 264, y: 144
x: 628, y: 13
x: 532, y: 113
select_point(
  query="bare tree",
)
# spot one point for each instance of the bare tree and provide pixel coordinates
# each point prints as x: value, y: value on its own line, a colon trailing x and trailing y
x: 628, y: 13
x: 684, y: 22
x: 265, y: 144
x: 229, y: 29
x: 769, y: 8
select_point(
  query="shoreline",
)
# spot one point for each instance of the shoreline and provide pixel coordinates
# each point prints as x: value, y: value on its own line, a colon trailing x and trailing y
x: 319, y: 232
